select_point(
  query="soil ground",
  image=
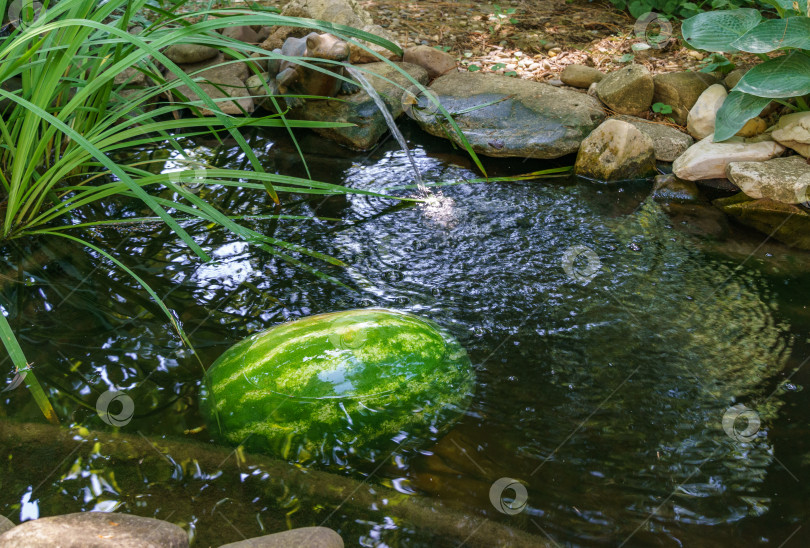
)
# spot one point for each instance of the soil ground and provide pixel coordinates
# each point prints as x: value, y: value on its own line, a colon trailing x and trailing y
x: 536, y: 41
x: 533, y: 39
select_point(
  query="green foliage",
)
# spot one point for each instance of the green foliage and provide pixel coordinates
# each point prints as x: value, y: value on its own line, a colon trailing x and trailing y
x: 501, y: 16
x: 717, y: 62
x: 680, y: 8
x: 745, y: 30
x: 662, y: 108
x: 65, y: 119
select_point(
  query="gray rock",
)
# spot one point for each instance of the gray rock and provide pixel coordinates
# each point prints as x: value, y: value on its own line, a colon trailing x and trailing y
x: 786, y: 223
x: 522, y: 118
x: 702, y: 115
x: 360, y: 109
x: 615, y: 151
x: 733, y: 77
x: 668, y: 188
x: 95, y: 530
x: 435, y: 62
x: 256, y: 88
x: 793, y: 131
x: 223, y: 80
x: 343, y: 12
x: 669, y: 143
x: 785, y: 180
x: 243, y: 33
x: 5, y: 524
x: 580, y: 76
x: 628, y: 90
x: 305, y: 537
x: 131, y: 76
x: 681, y: 90
x: 263, y: 33
x: 708, y: 160
x: 190, y: 53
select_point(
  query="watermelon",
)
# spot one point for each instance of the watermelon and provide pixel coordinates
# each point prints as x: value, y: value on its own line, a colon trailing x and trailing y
x: 353, y: 383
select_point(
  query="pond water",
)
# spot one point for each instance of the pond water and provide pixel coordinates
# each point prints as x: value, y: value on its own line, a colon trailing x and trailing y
x: 611, y: 334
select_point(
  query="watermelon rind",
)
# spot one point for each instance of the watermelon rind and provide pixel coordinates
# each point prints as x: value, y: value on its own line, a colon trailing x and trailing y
x: 325, y: 388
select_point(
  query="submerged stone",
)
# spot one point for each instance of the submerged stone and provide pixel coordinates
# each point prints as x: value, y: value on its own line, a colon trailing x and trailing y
x: 787, y: 223
x: 333, y: 385
x: 95, y: 530
x: 309, y: 537
x: 508, y: 117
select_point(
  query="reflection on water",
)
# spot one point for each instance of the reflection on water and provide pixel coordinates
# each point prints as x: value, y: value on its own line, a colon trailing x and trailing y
x: 603, y: 375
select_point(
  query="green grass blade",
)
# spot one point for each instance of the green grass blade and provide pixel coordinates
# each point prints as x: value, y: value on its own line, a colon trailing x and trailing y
x: 18, y: 357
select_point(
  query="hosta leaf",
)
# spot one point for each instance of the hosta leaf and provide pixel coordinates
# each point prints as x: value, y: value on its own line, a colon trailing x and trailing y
x: 716, y: 30
x: 737, y: 109
x: 785, y: 6
x: 793, y: 32
x: 785, y: 76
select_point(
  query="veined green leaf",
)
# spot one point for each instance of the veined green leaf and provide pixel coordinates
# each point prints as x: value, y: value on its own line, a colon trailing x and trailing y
x: 785, y: 76
x: 717, y: 30
x: 785, y: 7
x: 793, y: 32
x: 737, y: 109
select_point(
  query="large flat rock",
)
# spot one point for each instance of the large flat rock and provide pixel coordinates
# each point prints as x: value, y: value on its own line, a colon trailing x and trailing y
x: 509, y: 117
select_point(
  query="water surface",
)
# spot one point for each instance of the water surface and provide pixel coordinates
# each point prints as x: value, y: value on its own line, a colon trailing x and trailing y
x: 610, y: 334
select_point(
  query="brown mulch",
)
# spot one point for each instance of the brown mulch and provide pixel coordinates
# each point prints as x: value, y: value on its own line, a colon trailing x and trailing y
x: 546, y: 35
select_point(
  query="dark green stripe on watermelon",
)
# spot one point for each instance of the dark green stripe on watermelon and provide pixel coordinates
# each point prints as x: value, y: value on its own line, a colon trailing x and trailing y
x: 335, y: 384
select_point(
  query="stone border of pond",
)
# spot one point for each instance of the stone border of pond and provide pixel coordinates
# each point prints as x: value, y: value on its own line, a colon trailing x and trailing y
x: 602, y: 118
x: 39, y: 446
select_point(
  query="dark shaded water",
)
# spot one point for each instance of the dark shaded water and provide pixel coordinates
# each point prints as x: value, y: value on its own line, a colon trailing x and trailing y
x: 610, y: 333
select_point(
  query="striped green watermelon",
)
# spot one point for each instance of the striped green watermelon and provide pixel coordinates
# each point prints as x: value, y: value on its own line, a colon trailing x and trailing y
x: 333, y: 385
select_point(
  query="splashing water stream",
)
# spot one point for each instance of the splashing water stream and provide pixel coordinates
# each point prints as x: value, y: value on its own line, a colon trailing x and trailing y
x: 392, y: 125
